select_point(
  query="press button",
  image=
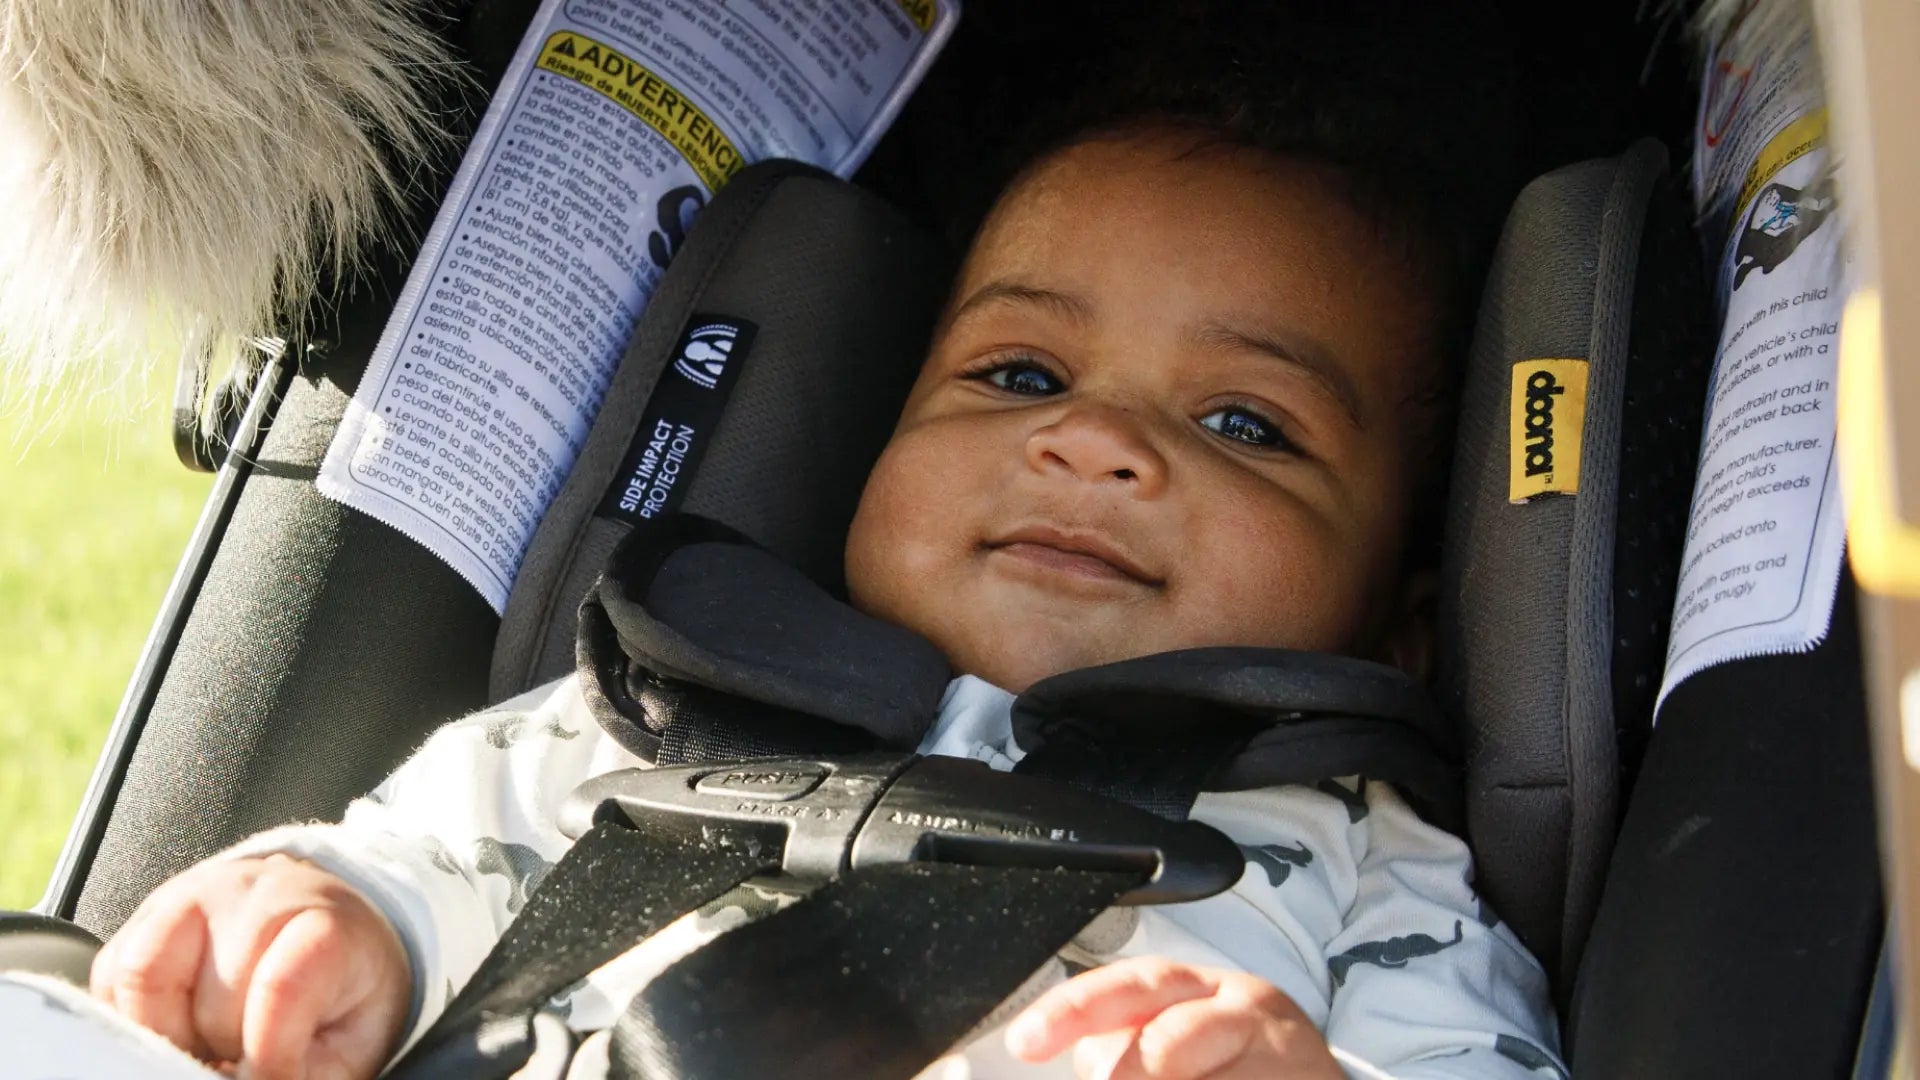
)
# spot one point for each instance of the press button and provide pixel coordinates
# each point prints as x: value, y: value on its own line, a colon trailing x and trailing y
x: 772, y: 785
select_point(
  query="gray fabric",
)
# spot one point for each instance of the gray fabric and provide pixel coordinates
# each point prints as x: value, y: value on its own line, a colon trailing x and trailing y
x: 322, y: 648
x: 1591, y: 724
x: 1671, y: 356
x: 844, y: 292
x: 1526, y: 596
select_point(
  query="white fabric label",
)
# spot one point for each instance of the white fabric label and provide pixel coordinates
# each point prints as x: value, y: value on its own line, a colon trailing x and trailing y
x: 1765, y: 535
x: 614, y: 125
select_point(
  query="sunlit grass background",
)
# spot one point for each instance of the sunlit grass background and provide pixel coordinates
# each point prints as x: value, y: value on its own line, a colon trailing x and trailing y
x: 94, y: 514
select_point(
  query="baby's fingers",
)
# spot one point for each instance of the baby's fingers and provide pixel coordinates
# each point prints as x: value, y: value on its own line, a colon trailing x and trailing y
x: 149, y: 971
x: 1096, y: 1057
x: 297, y: 981
x: 1249, y: 1029
x: 1117, y: 997
x: 1191, y: 1040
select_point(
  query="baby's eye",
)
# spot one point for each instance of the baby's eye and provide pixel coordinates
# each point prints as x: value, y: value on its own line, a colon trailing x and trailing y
x: 1244, y: 426
x: 1021, y: 377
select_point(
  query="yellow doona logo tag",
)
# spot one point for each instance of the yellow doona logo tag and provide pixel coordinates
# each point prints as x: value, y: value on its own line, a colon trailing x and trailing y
x: 1548, y: 413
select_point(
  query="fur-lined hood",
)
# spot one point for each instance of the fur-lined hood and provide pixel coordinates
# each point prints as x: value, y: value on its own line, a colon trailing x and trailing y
x: 176, y: 173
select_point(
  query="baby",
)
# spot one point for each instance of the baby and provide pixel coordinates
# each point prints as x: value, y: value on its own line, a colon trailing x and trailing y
x: 1184, y: 395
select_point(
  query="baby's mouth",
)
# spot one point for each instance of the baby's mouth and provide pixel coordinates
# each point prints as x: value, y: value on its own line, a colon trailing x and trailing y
x: 1075, y: 554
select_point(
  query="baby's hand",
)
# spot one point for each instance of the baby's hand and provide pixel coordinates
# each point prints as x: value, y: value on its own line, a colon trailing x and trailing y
x: 1150, y: 1017
x: 270, y: 963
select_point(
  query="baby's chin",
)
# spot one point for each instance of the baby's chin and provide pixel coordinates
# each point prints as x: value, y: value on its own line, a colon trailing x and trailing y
x: 1014, y: 664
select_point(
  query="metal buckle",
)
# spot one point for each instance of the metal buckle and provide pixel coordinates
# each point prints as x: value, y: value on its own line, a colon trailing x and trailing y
x: 827, y: 817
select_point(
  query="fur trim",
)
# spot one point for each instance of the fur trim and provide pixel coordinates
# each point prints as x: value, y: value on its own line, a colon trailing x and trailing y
x: 175, y: 174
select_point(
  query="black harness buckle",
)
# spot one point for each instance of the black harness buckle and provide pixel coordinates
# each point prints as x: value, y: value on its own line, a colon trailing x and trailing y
x: 827, y: 817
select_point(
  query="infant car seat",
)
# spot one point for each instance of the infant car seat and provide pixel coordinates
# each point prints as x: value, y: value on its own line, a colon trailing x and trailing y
x: 309, y: 648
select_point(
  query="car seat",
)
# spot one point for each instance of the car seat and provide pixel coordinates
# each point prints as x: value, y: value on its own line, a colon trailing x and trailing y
x: 313, y: 648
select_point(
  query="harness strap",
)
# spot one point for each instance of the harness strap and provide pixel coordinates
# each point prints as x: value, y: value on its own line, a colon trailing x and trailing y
x: 698, y: 724
x: 613, y: 888
x: 1161, y: 777
x: 874, y: 974
x: 1157, y: 730
x: 697, y: 647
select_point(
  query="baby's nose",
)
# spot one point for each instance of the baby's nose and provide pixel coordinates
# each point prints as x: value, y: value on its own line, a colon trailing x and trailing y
x: 1100, y: 443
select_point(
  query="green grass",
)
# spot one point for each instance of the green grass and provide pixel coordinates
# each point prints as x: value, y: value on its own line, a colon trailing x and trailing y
x: 94, y: 514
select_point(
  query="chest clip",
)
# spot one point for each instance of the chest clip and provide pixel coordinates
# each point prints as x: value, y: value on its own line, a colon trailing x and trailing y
x: 827, y: 817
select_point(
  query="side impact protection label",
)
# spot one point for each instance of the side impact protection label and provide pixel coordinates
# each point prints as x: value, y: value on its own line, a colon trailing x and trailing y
x: 1546, y: 417
x: 680, y: 418
x: 610, y: 132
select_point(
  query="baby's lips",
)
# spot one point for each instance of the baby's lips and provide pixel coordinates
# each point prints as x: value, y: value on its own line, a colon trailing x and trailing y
x: 1081, y: 551
x: 1069, y: 563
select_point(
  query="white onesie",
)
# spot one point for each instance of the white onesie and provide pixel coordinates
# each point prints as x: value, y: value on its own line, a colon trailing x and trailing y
x: 1357, y: 909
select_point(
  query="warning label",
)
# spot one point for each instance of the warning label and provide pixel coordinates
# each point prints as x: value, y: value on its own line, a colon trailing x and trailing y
x: 1765, y: 535
x: 645, y: 95
x: 614, y: 126
x: 922, y: 12
x: 1795, y: 141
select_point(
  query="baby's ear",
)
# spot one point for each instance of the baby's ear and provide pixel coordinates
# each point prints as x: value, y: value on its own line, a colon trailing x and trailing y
x: 1408, y: 642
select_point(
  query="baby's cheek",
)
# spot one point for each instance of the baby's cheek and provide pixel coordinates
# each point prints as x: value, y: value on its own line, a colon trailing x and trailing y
x: 893, y: 546
x: 1275, y: 584
x: 871, y: 547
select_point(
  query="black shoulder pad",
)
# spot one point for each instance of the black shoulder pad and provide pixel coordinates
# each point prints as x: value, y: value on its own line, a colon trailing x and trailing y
x: 1294, y: 717
x: 691, y: 600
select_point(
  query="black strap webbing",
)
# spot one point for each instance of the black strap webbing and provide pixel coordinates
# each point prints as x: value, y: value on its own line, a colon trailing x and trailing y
x: 613, y: 888
x: 1158, y: 777
x: 875, y: 974
x: 699, y: 724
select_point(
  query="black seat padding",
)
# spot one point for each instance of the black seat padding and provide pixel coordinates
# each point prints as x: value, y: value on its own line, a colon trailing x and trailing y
x: 1742, y: 917
x: 1553, y: 611
x: 843, y: 291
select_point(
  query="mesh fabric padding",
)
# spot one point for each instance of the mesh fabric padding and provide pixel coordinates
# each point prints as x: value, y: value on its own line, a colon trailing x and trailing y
x: 844, y: 292
x: 1670, y: 355
x: 323, y: 647
x: 1527, y: 591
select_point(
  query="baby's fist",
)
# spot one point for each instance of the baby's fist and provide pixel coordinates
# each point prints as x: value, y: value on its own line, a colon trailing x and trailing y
x: 271, y: 963
x: 1151, y: 1018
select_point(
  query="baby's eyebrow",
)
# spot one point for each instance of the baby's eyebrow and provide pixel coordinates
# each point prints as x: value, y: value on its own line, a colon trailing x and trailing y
x: 1068, y: 306
x: 1305, y: 355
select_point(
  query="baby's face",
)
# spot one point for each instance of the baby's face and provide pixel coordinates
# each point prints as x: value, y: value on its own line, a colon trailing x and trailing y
x: 1168, y: 408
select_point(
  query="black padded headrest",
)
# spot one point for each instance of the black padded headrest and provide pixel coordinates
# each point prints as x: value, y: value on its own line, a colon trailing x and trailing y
x: 1554, y: 609
x: 841, y: 292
